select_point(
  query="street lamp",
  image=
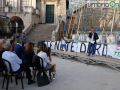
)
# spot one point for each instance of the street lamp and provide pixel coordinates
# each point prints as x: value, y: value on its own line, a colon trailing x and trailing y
x: 59, y: 25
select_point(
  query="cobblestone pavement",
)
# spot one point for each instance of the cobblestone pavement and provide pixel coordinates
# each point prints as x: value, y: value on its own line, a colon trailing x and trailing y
x: 73, y: 75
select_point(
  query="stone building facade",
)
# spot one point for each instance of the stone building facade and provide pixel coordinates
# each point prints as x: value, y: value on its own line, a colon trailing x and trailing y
x: 30, y: 12
x: 59, y: 8
x: 24, y: 12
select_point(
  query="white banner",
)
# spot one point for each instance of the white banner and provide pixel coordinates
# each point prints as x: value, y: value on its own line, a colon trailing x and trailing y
x: 113, y: 51
x: 101, y: 49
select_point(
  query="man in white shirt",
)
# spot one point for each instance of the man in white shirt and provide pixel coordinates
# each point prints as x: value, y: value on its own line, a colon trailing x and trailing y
x: 16, y: 63
x: 92, y: 42
x: 63, y: 41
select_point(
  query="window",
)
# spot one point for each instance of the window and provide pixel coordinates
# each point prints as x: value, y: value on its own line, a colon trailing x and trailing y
x: 10, y: 2
x: 26, y: 2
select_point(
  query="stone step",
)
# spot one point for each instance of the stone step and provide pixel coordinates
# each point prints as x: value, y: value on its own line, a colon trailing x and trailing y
x: 41, y: 31
x: 35, y: 49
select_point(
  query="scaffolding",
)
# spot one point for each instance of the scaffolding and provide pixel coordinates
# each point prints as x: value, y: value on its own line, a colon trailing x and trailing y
x: 105, y: 21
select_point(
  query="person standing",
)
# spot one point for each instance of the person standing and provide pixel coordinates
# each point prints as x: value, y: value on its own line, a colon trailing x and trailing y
x: 92, y: 42
x: 19, y: 49
x: 63, y: 41
x: 24, y: 39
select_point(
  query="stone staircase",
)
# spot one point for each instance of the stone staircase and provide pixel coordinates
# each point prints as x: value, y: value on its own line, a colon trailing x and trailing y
x: 41, y: 32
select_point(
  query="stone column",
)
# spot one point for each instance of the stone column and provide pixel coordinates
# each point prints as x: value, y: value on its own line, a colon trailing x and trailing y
x: 42, y: 15
x: 43, y: 11
x: 31, y: 3
x: 15, y: 4
x: 20, y: 5
x: 34, y: 3
x: 56, y: 13
x: 0, y: 3
x: 4, y: 3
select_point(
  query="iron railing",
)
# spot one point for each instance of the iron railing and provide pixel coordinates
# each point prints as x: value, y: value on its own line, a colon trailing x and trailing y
x: 15, y: 9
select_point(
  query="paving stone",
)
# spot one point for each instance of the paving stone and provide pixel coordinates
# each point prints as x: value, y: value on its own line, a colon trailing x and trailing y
x: 75, y: 76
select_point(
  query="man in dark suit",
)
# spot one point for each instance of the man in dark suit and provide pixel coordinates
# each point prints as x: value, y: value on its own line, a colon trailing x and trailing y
x: 12, y: 42
x: 92, y: 42
x: 19, y: 49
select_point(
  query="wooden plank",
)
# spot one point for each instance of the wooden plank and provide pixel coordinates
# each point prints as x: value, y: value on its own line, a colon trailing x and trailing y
x: 99, y: 58
x: 105, y: 59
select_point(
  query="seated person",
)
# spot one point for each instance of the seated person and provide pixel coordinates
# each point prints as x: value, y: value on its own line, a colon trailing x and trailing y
x: 19, y: 49
x: 3, y: 42
x: 48, y: 51
x: 1, y: 52
x: 41, y: 52
x: 29, y: 53
x: 16, y: 63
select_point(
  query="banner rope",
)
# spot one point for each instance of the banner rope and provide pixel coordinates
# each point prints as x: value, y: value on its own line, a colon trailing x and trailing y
x: 112, y: 27
x: 80, y: 18
x: 66, y: 19
x: 98, y: 18
x: 76, y: 18
x: 85, y: 16
x: 71, y: 19
x: 73, y: 26
x: 103, y: 10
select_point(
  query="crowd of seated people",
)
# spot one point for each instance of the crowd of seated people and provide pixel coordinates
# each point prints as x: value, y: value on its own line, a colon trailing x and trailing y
x: 17, y: 64
x: 21, y: 57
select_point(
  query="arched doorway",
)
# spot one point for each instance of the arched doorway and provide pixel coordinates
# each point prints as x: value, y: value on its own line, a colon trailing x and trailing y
x: 20, y: 23
x: 5, y: 27
x: 18, y: 20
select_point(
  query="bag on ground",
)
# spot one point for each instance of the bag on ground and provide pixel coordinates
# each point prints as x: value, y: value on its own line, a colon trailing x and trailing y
x: 42, y: 80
